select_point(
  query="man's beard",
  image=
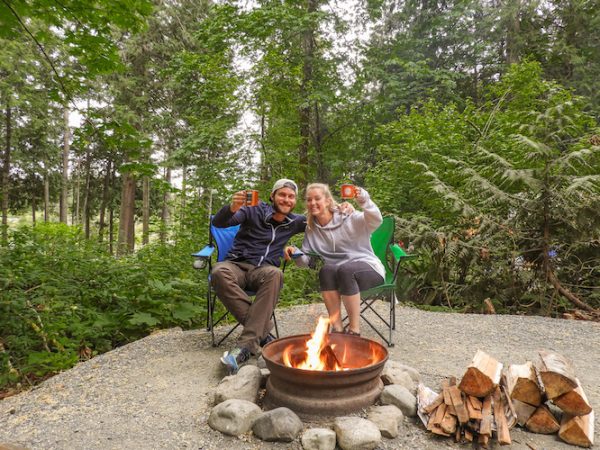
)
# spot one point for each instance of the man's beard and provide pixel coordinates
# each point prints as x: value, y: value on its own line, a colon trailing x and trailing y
x: 278, y: 209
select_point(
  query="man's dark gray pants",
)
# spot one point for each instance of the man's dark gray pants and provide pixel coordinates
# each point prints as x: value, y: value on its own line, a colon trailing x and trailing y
x: 230, y: 279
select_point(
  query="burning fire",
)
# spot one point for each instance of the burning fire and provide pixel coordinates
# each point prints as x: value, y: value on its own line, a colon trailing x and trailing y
x: 319, y: 354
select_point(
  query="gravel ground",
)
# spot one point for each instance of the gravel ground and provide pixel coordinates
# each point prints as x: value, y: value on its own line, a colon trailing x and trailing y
x: 156, y: 393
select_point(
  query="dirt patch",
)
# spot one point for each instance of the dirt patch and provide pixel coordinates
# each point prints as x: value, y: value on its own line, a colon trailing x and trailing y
x: 157, y: 392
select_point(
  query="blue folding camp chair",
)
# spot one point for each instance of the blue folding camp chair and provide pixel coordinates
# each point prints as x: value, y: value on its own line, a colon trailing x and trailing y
x: 223, y: 239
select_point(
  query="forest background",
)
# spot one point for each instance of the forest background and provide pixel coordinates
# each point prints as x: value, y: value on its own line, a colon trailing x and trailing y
x: 473, y: 122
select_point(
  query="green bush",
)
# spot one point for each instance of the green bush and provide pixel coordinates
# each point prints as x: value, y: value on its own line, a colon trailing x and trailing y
x: 64, y: 298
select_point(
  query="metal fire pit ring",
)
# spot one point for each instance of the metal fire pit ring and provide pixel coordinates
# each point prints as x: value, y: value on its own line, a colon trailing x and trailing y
x: 311, y: 393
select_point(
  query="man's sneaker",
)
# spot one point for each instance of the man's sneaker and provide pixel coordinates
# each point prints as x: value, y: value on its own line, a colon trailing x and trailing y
x: 234, y: 358
x: 268, y: 338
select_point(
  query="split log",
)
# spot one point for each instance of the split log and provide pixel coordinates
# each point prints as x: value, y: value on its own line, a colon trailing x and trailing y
x: 482, y: 376
x: 458, y: 434
x: 440, y: 412
x: 577, y: 430
x: 435, y: 420
x: 457, y: 401
x: 434, y: 404
x: 557, y: 374
x: 473, y: 405
x: 523, y: 411
x: 446, y: 393
x: 448, y: 423
x: 468, y: 435
x: 483, y: 440
x: 522, y: 384
x: 501, y: 424
x: 485, y: 427
x: 488, y: 307
x: 475, y: 402
x: 542, y: 421
x: 574, y: 403
x: 509, y: 409
x: 330, y: 357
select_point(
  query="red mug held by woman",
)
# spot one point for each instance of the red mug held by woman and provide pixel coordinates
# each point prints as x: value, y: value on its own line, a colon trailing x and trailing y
x: 348, y: 191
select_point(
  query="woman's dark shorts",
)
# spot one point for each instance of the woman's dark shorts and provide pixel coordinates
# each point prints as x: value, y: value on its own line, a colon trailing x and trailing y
x: 349, y: 278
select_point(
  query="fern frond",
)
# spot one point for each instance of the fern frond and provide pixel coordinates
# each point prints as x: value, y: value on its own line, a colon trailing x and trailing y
x: 540, y: 149
x: 524, y: 176
x: 579, y: 156
x: 445, y: 191
x: 497, y: 160
x: 590, y: 184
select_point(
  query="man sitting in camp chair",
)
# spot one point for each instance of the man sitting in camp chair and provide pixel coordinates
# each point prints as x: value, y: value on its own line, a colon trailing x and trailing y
x: 252, y: 264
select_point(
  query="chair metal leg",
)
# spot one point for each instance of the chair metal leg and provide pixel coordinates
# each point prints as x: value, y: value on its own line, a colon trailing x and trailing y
x: 392, y: 317
x: 393, y: 301
x: 212, y: 322
x: 208, y: 310
x: 389, y: 341
x: 275, y: 323
x: 227, y: 335
x: 390, y: 324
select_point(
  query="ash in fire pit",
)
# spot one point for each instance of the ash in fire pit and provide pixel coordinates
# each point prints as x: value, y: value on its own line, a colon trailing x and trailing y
x: 323, y: 374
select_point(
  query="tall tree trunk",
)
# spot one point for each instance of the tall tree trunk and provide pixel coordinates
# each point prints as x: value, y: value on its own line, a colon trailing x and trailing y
x: 322, y: 173
x: 166, y: 212
x: 33, y: 206
x: 105, y: 195
x: 126, y: 240
x: 76, y: 212
x: 6, y: 172
x: 86, y: 195
x: 264, y: 166
x: 308, y: 49
x: 512, y: 32
x: 183, y: 198
x: 46, y: 196
x: 572, y: 29
x: 65, y: 172
x: 145, y: 210
x: 111, y: 211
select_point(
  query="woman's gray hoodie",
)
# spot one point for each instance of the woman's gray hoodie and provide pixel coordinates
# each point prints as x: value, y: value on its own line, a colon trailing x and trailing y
x: 346, y: 238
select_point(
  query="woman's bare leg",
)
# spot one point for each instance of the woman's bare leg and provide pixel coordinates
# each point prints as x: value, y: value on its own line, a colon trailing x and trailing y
x: 352, y: 305
x: 333, y: 303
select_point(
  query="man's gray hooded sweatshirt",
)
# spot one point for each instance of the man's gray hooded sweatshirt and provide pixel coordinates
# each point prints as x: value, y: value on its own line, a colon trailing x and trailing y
x: 346, y: 238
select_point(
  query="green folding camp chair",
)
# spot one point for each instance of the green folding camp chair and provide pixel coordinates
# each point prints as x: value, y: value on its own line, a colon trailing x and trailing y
x: 382, y: 241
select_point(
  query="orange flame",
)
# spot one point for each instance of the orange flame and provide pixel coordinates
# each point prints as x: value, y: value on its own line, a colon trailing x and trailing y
x: 314, y: 347
x: 320, y: 355
x: 317, y: 351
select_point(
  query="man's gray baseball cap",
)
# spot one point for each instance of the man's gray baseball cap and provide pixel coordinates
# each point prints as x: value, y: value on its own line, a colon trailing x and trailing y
x: 284, y: 183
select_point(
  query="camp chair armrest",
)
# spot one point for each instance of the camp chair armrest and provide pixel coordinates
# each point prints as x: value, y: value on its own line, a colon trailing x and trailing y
x: 399, y: 256
x: 202, y: 257
x: 313, y: 255
x: 206, y: 252
x: 399, y: 253
x: 314, y: 259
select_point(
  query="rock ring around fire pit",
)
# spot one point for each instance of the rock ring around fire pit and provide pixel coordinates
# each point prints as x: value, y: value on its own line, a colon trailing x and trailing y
x: 324, y: 393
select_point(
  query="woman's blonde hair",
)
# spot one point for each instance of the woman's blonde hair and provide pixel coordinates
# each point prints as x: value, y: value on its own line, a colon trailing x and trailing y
x: 310, y: 220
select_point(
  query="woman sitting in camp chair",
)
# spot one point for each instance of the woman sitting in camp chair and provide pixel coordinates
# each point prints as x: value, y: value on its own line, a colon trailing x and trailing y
x: 343, y: 242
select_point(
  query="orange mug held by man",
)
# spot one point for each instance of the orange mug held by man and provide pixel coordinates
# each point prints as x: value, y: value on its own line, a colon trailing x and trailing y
x: 251, y: 197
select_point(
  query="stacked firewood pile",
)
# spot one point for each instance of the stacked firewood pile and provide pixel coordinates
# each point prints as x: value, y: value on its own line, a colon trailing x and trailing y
x: 490, y: 400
